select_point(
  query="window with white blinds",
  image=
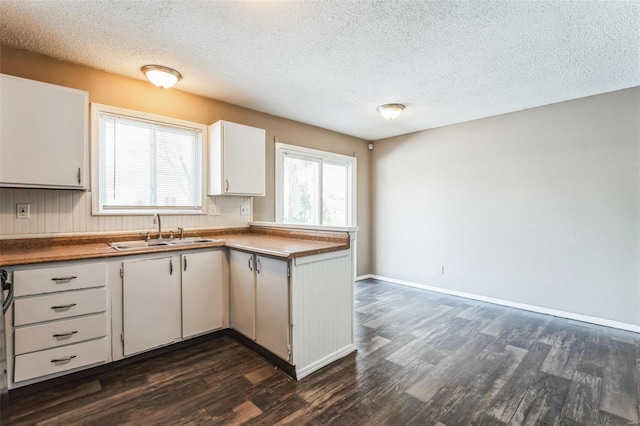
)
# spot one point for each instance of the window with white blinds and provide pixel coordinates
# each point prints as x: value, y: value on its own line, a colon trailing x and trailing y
x: 148, y: 164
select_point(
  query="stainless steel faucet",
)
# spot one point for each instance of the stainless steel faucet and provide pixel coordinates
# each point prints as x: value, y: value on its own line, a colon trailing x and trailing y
x: 156, y: 219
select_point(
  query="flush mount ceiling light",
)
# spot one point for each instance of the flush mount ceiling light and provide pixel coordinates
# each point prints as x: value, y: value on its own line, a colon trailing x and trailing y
x: 390, y: 111
x: 161, y: 76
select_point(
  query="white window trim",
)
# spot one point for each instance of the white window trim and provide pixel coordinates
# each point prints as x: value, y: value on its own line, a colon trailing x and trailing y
x: 328, y: 157
x: 96, y: 109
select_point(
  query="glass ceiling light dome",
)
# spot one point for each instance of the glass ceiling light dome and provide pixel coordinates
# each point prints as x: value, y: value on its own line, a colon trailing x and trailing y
x: 161, y: 76
x: 390, y: 111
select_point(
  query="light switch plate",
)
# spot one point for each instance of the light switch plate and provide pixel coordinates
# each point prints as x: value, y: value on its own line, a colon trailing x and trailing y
x: 214, y: 210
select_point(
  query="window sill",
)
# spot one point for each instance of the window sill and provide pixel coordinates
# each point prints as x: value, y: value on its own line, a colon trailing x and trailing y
x: 150, y: 212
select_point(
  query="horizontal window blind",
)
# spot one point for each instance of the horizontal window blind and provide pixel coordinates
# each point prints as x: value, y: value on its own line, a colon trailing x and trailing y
x: 149, y: 165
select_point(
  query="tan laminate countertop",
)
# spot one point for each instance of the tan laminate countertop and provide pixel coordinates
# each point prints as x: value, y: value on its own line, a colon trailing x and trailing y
x: 269, y: 245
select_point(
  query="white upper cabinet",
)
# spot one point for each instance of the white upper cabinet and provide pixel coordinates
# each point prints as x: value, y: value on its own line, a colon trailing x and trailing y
x: 236, y: 159
x: 43, y: 135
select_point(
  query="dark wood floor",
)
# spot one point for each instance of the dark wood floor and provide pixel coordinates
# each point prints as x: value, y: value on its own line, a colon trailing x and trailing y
x: 423, y: 359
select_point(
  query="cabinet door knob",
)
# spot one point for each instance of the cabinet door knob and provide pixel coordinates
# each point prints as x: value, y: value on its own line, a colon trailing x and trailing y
x: 79, y: 175
x: 250, y: 267
x: 227, y: 187
x: 185, y: 263
x: 170, y: 266
x: 258, y: 266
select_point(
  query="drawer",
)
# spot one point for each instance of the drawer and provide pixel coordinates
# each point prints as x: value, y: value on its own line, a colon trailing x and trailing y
x: 37, y: 364
x: 59, y: 333
x: 48, y: 280
x: 66, y: 304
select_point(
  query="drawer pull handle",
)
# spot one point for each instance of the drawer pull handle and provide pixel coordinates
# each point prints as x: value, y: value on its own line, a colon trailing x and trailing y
x: 67, y: 359
x: 70, y: 305
x: 61, y: 335
x: 57, y: 280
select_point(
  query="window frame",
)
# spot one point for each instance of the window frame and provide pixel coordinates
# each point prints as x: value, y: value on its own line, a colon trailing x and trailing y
x: 323, y: 157
x: 96, y: 206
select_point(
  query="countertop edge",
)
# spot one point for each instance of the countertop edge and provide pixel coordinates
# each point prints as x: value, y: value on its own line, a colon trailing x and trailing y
x: 103, y: 250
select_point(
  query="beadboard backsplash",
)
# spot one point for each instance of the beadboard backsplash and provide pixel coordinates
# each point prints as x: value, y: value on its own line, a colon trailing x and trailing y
x: 69, y: 212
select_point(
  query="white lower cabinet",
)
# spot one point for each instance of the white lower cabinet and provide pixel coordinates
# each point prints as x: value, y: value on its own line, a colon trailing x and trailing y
x: 51, y: 361
x: 59, y: 321
x: 202, y: 297
x: 272, y: 305
x: 73, y: 315
x: 59, y: 333
x: 259, y: 300
x: 242, y: 293
x: 151, y: 303
x: 61, y: 305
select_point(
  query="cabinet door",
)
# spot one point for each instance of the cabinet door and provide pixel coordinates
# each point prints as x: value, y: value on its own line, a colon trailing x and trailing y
x: 272, y: 306
x: 242, y: 295
x: 201, y: 292
x: 244, y: 159
x: 151, y: 303
x: 43, y: 134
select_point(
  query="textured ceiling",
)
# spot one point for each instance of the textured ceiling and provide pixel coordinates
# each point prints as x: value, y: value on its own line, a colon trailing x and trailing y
x: 331, y: 63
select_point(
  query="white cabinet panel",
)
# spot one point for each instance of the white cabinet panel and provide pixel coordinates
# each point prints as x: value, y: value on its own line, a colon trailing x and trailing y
x: 59, y: 333
x: 65, y: 358
x: 202, y: 301
x: 272, y: 305
x: 151, y: 303
x: 242, y: 293
x: 236, y: 159
x: 43, y: 134
x: 49, y: 280
x: 60, y: 305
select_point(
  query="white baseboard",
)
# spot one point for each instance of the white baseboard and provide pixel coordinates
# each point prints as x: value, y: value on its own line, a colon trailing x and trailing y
x: 364, y: 277
x: 524, y: 306
x: 305, y: 371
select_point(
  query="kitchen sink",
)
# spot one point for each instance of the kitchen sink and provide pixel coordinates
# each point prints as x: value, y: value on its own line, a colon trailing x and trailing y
x: 193, y: 240
x: 139, y: 245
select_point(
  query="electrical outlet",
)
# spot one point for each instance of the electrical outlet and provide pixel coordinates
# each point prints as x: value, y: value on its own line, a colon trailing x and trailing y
x: 22, y: 211
x: 214, y: 210
x: 244, y: 209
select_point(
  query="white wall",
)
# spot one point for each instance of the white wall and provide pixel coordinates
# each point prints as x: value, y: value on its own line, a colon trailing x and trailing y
x: 540, y: 207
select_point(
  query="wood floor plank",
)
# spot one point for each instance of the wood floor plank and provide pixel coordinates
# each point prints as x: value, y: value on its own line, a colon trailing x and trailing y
x: 563, y: 357
x: 593, y: 359
x: 436, y: 378
x: 260, y: 374
x: 505, y: 404
x: 619, y: 393
x: 583, y: 401
x: 494, y: 366
x: 543, y: 401
x: 522, y: 331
